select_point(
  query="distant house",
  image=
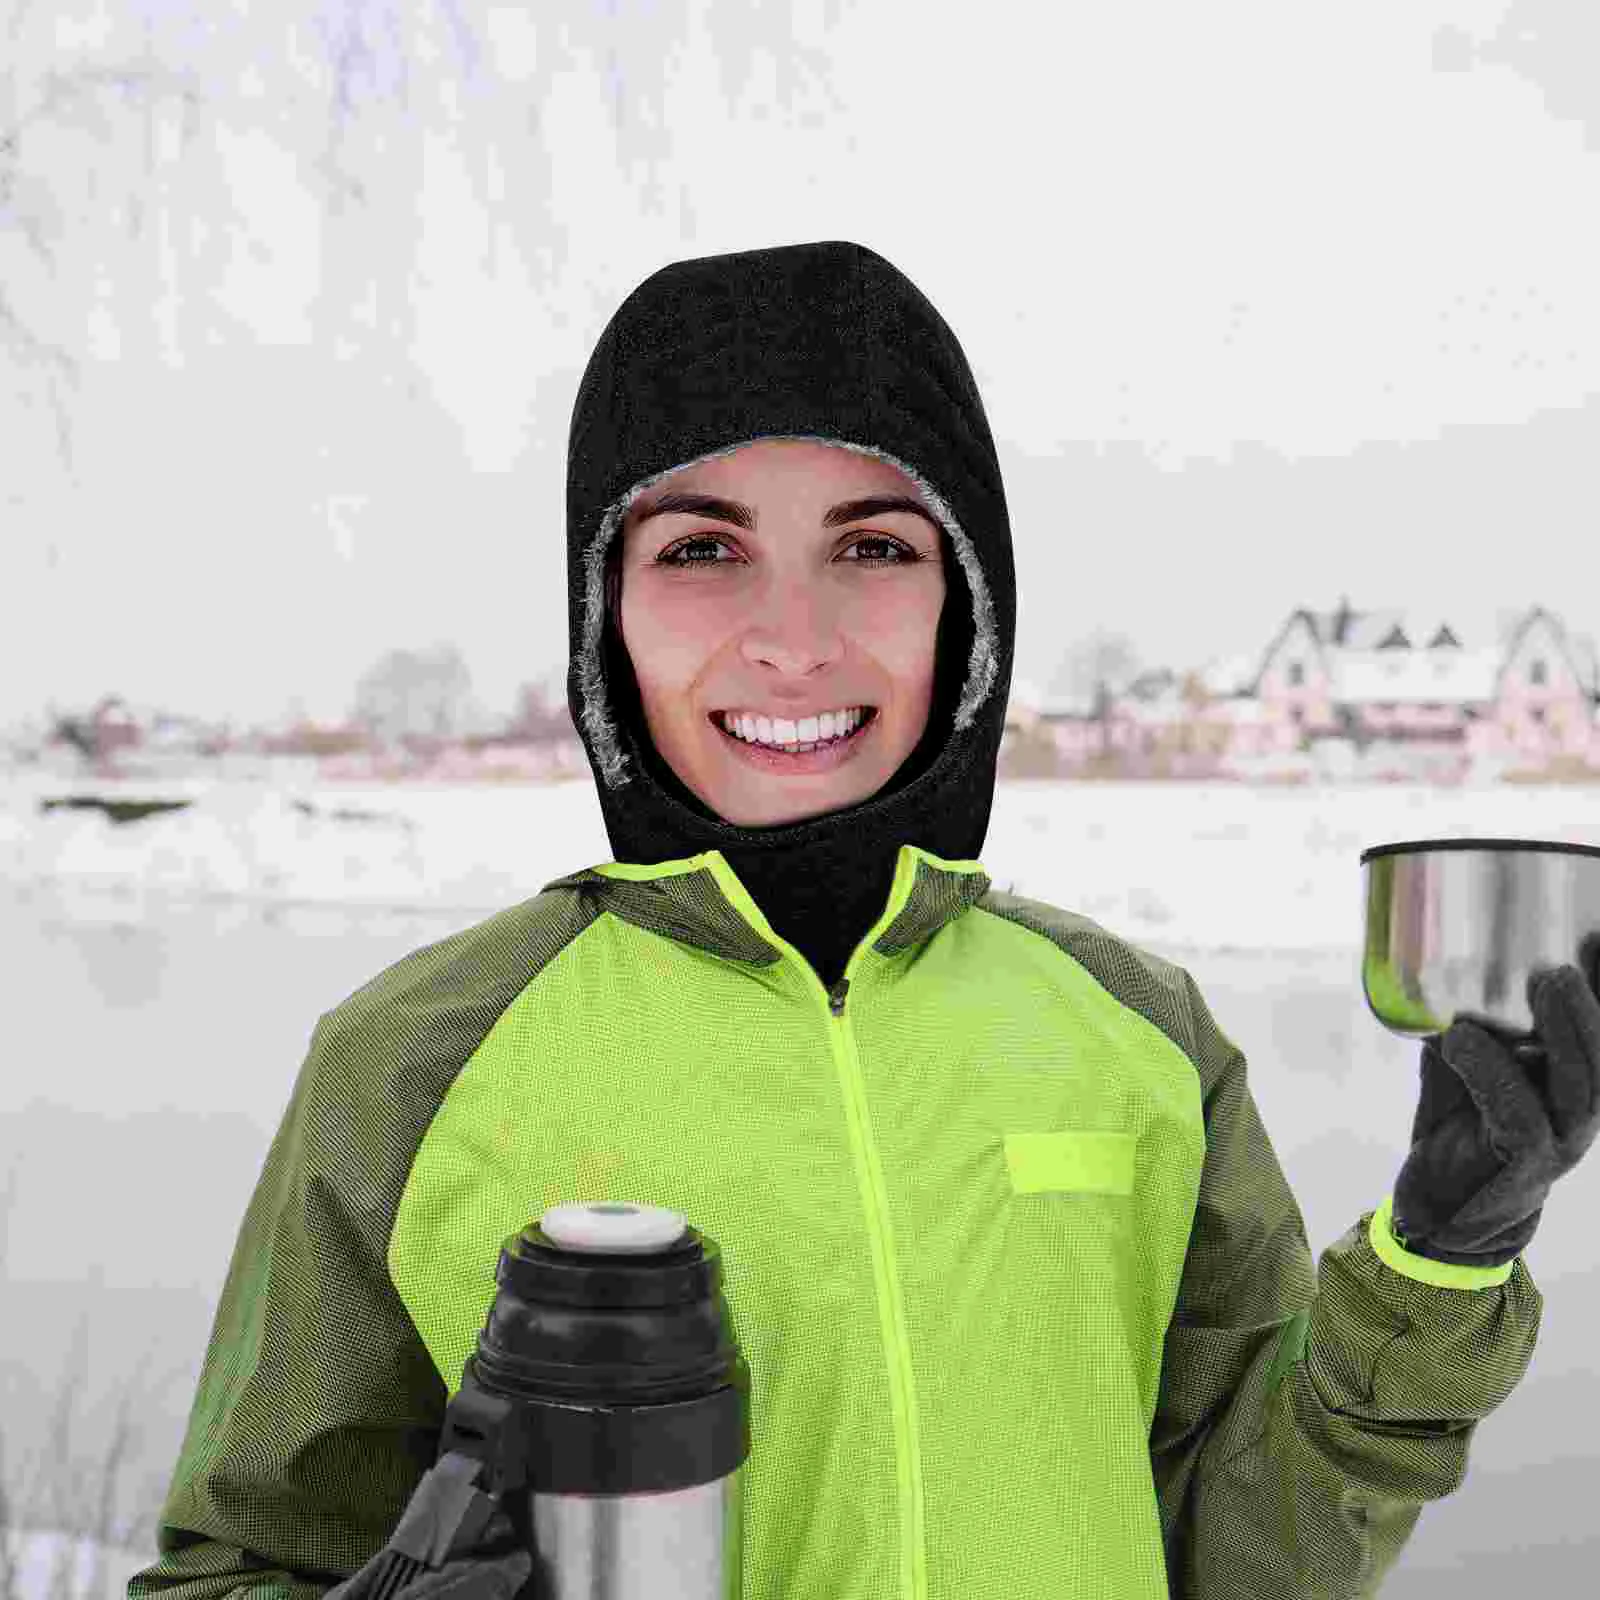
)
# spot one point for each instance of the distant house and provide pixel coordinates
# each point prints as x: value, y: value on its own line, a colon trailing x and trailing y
x: 118, y: 737
x: 1359, y: 692
x: 107, y: 727
x: 1398, y: 681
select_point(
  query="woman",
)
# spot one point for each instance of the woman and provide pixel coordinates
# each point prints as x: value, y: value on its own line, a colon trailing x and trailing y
x: 1022, y: 1287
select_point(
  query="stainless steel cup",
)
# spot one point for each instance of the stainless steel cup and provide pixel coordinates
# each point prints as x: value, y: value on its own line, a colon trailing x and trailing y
x: 1456, y: 927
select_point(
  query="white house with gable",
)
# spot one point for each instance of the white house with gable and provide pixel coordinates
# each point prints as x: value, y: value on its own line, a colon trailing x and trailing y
x: 1391, y: 692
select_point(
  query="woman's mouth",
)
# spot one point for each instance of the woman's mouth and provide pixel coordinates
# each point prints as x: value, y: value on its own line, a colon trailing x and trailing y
x: 818, y: 757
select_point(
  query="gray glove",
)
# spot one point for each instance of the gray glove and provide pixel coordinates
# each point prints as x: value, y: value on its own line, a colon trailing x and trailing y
x: 453, y: 1542
x: 1502, y: 1116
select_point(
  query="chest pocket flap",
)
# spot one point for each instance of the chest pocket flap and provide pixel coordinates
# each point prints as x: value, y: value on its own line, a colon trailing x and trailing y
x: 1069, y: 1158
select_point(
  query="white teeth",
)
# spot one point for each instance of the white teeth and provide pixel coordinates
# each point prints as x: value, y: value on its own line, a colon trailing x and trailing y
x: 781, y: 731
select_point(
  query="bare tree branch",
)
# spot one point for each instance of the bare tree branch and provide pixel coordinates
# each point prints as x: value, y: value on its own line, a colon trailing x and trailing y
x: 75, y: 91
x: 61, y: 88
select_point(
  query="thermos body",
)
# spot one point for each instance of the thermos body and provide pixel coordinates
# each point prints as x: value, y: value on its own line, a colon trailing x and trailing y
x: 675, y: 1544
x: 610, y: 1402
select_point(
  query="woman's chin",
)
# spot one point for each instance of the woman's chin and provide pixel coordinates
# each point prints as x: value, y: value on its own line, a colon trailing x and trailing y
x: 738, y: 805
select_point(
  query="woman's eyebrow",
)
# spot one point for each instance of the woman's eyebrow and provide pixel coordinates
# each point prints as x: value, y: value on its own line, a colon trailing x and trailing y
x: 741, y: 516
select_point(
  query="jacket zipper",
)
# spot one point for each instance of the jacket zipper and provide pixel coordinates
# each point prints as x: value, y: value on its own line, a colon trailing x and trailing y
x: 914, y: 1579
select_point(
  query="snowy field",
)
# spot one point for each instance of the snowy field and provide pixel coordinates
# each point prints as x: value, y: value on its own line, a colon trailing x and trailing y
x: 1186, y: 866
x: 163, y: 978
x: 58, y: 1566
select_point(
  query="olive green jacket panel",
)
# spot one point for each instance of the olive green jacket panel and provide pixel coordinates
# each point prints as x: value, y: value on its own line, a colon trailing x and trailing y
x: 318, y: 1409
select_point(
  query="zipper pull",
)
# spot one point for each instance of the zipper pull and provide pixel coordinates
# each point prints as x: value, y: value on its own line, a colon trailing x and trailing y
x: 836, y: 997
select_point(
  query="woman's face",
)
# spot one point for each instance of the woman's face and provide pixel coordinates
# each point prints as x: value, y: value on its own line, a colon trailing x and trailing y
x: 788, y: 617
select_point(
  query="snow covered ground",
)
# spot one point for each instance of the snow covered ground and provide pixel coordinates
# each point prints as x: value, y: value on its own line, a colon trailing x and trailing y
x: 1176, y: 866
x: 63, y: 1566
x: 172, y: 969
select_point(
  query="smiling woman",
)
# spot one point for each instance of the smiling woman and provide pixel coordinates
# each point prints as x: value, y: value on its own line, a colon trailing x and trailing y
x: 816, y: 593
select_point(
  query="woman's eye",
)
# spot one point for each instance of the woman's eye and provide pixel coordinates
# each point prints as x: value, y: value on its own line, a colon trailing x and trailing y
x: 677, y: 557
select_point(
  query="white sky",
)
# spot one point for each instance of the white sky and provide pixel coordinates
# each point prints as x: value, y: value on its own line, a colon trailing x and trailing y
x: 1266, y: 303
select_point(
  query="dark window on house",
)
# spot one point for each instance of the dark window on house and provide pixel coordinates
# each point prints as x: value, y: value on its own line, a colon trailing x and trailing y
x: 1536, y: 712
x: 1536, y: 672
x: 1297, y: 673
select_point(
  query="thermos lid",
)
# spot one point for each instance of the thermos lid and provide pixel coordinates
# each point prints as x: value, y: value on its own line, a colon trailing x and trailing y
x: 610, y: 1253
x: 612, y: 1227
x: 608, y: 1363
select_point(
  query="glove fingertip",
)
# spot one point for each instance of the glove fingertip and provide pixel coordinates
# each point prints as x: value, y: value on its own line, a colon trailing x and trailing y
x: 1589, y: 958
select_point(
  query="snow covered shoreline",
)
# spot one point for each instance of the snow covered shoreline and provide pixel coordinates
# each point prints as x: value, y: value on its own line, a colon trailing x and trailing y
x: 1176, y: 865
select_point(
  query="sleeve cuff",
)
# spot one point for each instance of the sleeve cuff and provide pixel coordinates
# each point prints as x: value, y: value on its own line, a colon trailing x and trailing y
x: 1442, y: 1274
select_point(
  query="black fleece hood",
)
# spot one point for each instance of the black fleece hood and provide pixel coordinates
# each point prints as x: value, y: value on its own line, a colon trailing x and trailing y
x: 825, y: 342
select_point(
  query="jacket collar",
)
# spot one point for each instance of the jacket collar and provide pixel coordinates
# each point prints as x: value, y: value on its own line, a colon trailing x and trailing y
x: 700, y: 901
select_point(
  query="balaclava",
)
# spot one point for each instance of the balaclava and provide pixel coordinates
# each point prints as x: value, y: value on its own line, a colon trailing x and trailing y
x: 826, y: 342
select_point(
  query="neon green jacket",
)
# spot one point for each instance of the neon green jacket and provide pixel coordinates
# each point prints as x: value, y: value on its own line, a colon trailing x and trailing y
x: 1027, y: 1302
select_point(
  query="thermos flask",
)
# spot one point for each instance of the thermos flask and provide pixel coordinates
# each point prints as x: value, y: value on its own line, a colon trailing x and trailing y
x: 609, y: 1403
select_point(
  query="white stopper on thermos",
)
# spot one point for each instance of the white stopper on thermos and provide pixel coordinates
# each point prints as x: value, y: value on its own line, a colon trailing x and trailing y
x: 612, y: 1226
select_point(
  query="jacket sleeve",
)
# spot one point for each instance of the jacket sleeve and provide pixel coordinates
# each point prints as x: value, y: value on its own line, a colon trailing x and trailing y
x: 1308, y: 1411
x: 318, y: 1409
